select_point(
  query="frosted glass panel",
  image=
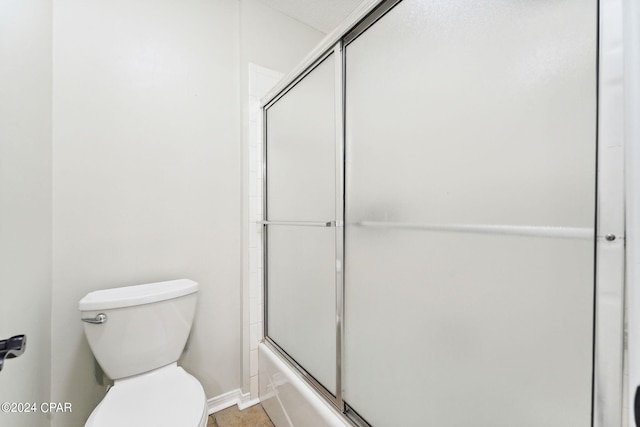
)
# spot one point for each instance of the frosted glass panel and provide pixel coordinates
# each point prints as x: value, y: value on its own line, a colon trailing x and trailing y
x: 301, y: 295
x: 301, y: 149
x: 470, y: 147
x: 301, y: 159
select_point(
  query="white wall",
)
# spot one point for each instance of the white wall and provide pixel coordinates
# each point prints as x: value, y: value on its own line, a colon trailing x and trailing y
x: 273, y: 40
x: 121, y: 137
x: 276, y: 42
x: 146, y: 174
x: 25, y: 201
x: 147, y: 169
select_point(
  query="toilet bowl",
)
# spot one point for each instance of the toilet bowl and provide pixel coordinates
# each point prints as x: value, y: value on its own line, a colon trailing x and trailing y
x: 137, y: 333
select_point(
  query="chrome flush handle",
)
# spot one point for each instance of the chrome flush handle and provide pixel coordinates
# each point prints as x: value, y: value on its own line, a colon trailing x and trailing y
x: 99, y: 319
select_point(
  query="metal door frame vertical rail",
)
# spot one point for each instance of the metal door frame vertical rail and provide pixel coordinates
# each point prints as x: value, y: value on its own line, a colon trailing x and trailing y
x: 265, y: 306
x: 339, y: 217
x: 631, y: 40
x: 610, y: 227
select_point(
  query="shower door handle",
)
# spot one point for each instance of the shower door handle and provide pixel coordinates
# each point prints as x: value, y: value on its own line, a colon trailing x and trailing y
x: 300, y: 223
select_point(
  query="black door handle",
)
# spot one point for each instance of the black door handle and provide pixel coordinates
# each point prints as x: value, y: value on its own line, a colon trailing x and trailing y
x: 12, y: 347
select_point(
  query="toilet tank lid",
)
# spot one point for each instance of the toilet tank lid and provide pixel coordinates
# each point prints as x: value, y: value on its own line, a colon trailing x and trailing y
x: 128, y: 296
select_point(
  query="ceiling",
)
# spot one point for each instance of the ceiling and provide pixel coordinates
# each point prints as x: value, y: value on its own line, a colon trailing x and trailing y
x: 323, y: 15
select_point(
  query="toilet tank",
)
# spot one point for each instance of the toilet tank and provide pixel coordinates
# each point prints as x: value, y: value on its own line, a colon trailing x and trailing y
x: 146, y: 326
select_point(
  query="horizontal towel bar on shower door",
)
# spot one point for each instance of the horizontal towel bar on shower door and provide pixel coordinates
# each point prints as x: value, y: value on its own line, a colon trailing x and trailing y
x: 513, y: 230
x: 300, y: 223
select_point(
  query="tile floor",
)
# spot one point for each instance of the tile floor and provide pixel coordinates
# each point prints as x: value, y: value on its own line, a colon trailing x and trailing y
x: 253, y: 416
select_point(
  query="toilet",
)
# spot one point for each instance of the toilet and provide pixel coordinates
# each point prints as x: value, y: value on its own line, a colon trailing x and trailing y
x: 137, y: 333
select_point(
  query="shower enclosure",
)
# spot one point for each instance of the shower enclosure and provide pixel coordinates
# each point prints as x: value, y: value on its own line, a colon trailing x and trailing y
x: 432, y: 232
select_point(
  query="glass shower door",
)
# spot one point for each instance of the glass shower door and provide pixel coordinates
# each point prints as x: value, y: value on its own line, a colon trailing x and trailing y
x: 470, y: 209
x: 300, y: 223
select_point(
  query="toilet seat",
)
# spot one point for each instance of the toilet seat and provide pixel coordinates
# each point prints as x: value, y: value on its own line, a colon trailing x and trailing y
x: 164, y: 397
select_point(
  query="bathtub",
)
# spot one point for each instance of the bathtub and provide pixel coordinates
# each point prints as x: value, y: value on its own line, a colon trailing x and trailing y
x: 289, y: 400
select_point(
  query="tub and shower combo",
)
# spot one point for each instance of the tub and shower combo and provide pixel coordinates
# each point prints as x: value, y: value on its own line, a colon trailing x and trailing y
x: 443, y: 231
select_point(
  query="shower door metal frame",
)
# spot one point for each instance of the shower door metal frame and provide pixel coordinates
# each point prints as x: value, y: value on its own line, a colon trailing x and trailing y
x: 337, y: 223
x: 609, y: 334
x: 609, y: 281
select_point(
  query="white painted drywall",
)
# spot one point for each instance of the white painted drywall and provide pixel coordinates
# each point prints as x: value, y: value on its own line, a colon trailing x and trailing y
x: 273, y: 40
x: 25, y: 202
x: 126, y: 118
x: 146, y: 175
x: 323, y: 15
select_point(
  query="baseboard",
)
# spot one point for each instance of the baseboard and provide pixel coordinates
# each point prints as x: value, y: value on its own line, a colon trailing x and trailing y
x: 230, y: 398
x: 247, y: 402
x: 224, y: 400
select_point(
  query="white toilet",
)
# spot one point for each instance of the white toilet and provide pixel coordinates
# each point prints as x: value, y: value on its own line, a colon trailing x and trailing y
x: 137, y: 333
